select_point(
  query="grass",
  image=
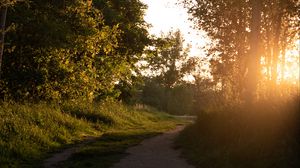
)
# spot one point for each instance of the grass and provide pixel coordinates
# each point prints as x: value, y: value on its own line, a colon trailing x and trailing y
x: 29, y: 133
x: 111, y: 147
x: 263, y: 136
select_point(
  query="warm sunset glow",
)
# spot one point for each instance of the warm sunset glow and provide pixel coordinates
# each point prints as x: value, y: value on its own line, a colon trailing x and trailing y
x: 165, y: 15
x: 291, y: 68
x: 288, y: 67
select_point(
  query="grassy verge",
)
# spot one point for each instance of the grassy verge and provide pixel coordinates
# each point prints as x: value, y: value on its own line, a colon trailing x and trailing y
x: 265, y: 136
x: 28, y: 132
x: 111, y: 147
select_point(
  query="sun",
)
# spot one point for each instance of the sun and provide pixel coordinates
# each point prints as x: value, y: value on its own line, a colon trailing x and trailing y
x: 290, y: 67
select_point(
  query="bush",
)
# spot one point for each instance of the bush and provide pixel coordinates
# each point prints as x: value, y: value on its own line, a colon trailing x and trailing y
x: 265, y: 135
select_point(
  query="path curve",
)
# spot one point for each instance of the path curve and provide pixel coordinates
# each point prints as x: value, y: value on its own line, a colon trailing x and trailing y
x: 65, y: 154
x: 156, y: 152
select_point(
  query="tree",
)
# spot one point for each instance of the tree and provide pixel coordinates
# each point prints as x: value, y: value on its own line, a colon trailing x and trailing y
x: 168, y: 60
x: 4, y: 4
x: 279, y: 31
x: 76, y: 49
x: 227, y: 25
x: 129, y: 16
x: 253, y: 59
x: 68, y: 54
x: 3, y: 11
x: 238, y: 30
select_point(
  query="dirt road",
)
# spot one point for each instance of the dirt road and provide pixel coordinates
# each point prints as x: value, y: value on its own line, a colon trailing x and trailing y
x: 156, y: 152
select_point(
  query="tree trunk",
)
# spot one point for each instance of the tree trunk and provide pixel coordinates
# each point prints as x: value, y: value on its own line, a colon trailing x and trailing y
x: 3, y: 12
x: 253, y: 61
x: 283, y: 64
x: 269, y: 55
x: 276, y: 52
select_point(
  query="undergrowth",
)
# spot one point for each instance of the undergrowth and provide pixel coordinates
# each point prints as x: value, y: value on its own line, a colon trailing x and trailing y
x: 29, y: 132
x: 262, y: 136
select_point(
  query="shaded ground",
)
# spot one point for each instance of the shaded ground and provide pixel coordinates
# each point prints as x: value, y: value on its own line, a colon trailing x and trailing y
x: 156, y: 152
x: 65, y: 154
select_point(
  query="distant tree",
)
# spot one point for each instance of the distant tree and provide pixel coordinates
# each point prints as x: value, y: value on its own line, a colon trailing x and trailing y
x: 153, y: 94
x: 168, y: 60
x: 130, y: 89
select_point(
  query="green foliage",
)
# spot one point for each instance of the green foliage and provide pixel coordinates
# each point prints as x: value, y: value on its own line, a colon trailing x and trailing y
x: 29, y: 131
x: 181, y: 100
x: 59, y: 51
x: 168, y: 59
x: 130, y: 89
x: 153, y: 94
x: 129, y: 15
x: 177, y: 100
x: 168, y: 63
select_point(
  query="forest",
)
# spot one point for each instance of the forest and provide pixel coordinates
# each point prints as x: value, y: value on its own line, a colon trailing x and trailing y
x: 75, y: 69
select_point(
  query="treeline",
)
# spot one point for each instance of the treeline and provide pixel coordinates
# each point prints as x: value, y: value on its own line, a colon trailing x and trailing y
x: 93, y: 50
x: 82, y: 50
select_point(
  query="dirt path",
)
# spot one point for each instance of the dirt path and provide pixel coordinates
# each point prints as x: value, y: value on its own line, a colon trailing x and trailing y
x: 65, y: 154
x: 156, y: 152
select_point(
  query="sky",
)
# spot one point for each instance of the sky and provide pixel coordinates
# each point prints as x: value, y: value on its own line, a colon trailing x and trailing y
x: 165, y: 15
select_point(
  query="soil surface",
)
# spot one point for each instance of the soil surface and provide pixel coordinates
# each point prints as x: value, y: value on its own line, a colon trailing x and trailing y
x: 156, y: 152
x: 65, y: 154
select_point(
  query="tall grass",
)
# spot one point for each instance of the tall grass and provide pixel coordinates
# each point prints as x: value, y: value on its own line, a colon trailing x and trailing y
x: 265, y: 135
x: 29, y: 131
